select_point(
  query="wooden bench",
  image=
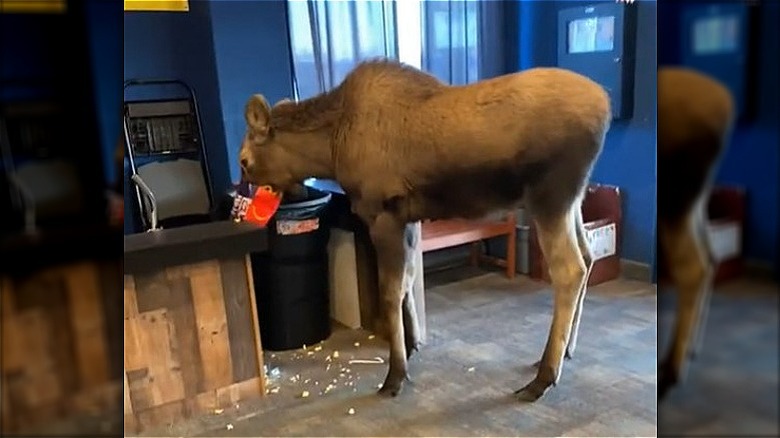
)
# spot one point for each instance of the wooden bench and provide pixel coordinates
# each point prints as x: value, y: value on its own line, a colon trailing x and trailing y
x: 442, y: 234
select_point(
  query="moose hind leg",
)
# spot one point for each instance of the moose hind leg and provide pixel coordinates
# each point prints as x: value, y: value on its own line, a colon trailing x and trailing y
x: 691, y: 271
x: 558, y: 240
x: 587, y: 258
x: 387, y: 234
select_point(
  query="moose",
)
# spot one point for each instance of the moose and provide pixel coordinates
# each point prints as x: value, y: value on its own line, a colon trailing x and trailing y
x: 406, y: 147
x: 696, y: 116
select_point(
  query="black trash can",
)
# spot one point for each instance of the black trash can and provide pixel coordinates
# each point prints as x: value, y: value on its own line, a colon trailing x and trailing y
x: 291, y: 277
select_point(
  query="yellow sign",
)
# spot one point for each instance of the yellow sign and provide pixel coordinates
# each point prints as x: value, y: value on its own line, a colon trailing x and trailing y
x: 157, y: 5
x: 33, y: 6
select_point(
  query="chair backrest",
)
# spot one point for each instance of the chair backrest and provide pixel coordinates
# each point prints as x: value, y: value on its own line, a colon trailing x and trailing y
x: 52, y: 187
x: 178, y: 186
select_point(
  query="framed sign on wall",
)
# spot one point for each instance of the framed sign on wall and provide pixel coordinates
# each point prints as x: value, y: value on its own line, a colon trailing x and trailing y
x: 157, y: 5
x: 33, y: 6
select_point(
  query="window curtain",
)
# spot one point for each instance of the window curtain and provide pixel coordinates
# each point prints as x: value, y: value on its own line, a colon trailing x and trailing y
x: 329, y: 38
x: 462, y: 40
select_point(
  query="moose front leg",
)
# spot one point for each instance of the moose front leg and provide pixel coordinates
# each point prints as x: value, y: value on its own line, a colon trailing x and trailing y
x: 387, y: 234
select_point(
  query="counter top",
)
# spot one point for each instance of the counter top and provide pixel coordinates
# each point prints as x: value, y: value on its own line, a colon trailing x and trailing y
x: 23, y: 254
x: 154, y: 250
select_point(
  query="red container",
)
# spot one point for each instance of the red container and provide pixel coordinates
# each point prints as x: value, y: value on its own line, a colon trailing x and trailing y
x: 601, y: 211
x: 726, y: 208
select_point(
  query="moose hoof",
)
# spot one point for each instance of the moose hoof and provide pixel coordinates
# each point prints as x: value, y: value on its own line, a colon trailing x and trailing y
x: 392, y: 386
x: 411, y: 348
x: 667, y: 380
x: 534, y: 390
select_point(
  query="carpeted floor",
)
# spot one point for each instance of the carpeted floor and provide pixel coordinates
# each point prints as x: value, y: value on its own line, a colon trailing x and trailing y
x: 485, y: 331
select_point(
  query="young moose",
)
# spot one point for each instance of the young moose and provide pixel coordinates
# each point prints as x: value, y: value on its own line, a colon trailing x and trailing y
x: 406, y: 147
x: 695, y: 120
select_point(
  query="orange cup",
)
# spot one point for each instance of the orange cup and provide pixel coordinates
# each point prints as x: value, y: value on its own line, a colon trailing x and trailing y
x: 263, y: 206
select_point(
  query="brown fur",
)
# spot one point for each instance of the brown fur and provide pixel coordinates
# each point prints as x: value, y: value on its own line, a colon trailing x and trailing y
x: 695, y: 120
x: 406, y: 147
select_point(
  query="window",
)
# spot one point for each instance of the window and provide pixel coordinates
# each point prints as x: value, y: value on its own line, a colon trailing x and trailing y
x: 329, y: 38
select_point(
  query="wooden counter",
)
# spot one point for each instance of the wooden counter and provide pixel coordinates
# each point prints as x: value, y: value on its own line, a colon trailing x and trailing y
x: 192, y: 340
x: 60, y: 303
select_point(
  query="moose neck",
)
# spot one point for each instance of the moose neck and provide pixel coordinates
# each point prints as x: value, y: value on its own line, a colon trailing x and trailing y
x: 313, y: 154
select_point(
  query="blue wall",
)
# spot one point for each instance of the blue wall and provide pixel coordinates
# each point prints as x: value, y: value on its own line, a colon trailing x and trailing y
x: 752, y: 160
x: 105, y: 38
x: 227, y: 51
x: 178, y: 45
x: 629, y: 156
x: 252, y: 56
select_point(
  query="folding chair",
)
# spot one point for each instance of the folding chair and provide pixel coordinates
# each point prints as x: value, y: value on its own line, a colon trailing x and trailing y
x: 167, y: 157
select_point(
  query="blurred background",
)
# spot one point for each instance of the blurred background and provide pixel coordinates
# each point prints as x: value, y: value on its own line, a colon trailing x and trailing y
x: 732, y: 385
x: 60, y: 217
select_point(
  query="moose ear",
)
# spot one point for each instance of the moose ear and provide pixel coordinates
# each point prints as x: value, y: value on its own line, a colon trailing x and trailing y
x: 283, y: 102
x: 257, y: 113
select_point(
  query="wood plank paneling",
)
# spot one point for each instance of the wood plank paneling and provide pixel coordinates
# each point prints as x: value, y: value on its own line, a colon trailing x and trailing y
x: 62, y: 348
x: 202, y: 351
x: 55, y: 354
x: 139, y: 388
x: 110, y: 276
x: 236, y: 294
x: 214, y: 342
x: 163, y: 414
x: 182, y: 314
x: 152, y: 292
x: 255, y: 322
x: 131, y: 300
x: 126, y: 392
x: 86, y: 318
x: 165, y: 380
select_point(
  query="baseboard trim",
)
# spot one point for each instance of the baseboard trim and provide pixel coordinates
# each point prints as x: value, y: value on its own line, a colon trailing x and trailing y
x: 638, y: 271
x: 759, y: 269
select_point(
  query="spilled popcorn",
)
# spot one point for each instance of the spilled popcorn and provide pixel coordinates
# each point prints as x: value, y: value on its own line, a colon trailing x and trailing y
x: 351, y: 411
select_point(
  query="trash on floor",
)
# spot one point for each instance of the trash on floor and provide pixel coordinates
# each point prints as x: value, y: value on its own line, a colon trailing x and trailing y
x: 376, y: 360
x: 351, y: 411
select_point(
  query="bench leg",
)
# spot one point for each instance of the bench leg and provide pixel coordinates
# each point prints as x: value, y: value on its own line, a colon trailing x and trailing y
x: 476, y: 252
x: 511, y: 253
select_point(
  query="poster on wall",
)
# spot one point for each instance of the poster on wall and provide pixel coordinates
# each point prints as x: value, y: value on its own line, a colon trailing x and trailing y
x: 157, y: 5
x: 32, y: 6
